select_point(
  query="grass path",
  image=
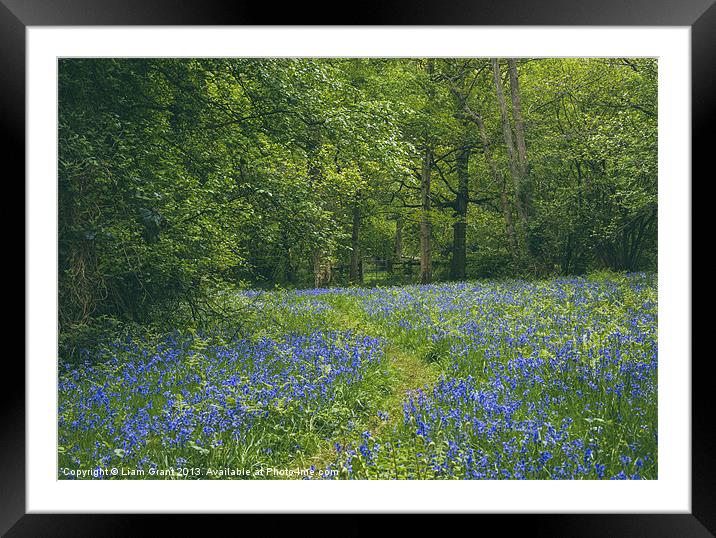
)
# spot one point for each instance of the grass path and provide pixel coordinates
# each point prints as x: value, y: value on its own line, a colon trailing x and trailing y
x: 406, y: 372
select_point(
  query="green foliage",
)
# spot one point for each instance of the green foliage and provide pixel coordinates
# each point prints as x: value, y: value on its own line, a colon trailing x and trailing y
x: 181, y: 180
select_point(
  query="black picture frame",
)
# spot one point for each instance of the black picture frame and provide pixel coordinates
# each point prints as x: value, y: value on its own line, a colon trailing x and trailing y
x: 17, y: 15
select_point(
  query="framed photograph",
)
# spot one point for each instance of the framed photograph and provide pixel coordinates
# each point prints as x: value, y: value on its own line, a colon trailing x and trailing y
x: 437, y: 261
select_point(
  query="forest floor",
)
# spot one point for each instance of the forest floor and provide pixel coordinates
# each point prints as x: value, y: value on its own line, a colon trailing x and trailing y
x: 482, y: 380
x: 407, y: 372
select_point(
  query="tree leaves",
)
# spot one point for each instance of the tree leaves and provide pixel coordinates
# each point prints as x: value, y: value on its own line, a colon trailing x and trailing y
x: 180, y: 175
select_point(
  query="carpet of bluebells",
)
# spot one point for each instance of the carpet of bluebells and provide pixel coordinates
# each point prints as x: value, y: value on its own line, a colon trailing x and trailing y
x: 186, y: 403
x: 536, y: 380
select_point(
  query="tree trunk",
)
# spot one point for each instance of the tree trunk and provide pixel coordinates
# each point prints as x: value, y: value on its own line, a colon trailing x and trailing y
x: 356, y: 276
x: 512, y: 158
x: 459, y: 247
x: 509, y: 224
x: 499, y: 182
x: 520, y: 137
x: 507, y: 134
x: 426, y: 266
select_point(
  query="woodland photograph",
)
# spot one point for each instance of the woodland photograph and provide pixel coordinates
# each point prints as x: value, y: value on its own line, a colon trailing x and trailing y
x: 357, y: 268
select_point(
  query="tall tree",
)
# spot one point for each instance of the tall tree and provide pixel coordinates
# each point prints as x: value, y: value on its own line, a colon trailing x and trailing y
x: 498, y: 180
x: 523, y: 163
x: 512, y: 158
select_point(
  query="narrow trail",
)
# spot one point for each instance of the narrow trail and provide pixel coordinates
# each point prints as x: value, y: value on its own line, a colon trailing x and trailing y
x: 407, y: 372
